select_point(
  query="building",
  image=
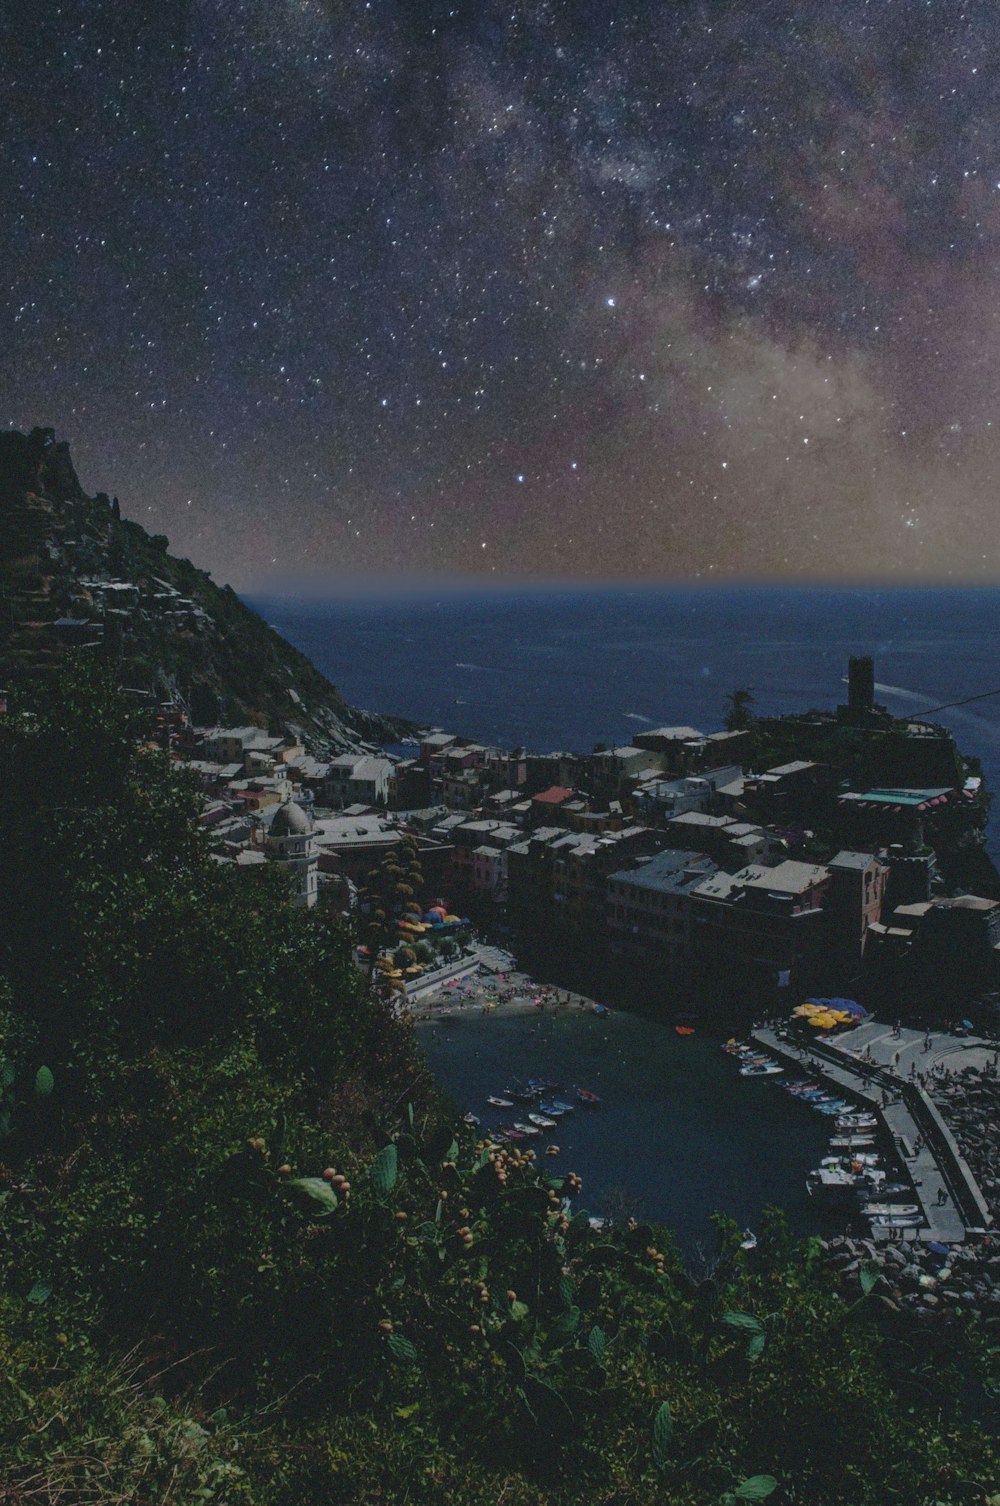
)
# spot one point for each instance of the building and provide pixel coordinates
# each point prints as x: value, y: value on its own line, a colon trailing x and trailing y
x: 580, y: 865
x: 355, y: 778
x: 891, y: 816
x: 648, y: 908
x: 354, y: 845
x: 680, y: 747
x: 787, y: 791
x: 434, y: 746
x: 957, y: 946
x: 232, y: 744
x: 461, y: 787
x: 853, y: 905
x: 732, y: 844
x: 761, y: 924
x: 660, y: 799
x: 289, y: 843
x: 616, y: 769
x: 547, y: 804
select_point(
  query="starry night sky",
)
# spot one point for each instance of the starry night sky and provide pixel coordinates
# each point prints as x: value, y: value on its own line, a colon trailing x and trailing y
x: 549, y: 287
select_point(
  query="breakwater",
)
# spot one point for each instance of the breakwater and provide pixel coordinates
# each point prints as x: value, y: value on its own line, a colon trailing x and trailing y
x: 952, y: 1204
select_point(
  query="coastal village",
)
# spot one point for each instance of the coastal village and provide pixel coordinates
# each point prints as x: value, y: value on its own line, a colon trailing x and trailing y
x: 675, y: 856
x: 730, y: 886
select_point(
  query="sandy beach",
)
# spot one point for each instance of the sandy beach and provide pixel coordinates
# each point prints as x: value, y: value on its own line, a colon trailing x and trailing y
x: 484, y: 994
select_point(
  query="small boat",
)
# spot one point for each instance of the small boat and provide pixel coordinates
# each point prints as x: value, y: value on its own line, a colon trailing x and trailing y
x: 541, y: 1121
x: 586, y: 1096
x: 541, y: 1085
x: 553, y: 1110
x: 522, y: 1094
x: 471, y: 1119
x: 831, y: 1183
x: 526, y: 1129
x: 557, y: 1103
x: 749, y: 1240
x: 897, y: 1221
x: 865, y: 1158
x: 762, y: 1069
x: 501, y: 1103
x: 684, y: 1029
x: 511, y: 1132
x: 885, y: 1190
x: 601, y: 1009
x: 852, y: 1142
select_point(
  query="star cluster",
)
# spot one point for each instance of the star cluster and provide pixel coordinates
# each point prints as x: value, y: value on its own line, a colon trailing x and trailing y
x: 543, y: 287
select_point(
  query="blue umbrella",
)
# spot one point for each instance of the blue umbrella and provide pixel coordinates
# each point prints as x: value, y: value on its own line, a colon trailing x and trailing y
x: 937, y: 1249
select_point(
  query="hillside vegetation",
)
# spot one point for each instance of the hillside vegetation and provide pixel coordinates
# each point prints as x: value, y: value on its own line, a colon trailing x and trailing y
x: 249, y: 1256
x: 74, y: 573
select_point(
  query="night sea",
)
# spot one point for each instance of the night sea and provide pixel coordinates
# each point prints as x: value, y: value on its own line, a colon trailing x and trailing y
x: 680, y: 1134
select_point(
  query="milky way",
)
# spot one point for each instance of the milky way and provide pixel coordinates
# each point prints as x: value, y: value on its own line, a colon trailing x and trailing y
x: 559, y: 289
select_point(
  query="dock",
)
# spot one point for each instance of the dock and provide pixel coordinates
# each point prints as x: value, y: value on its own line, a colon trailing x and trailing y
x: 910, y: 1119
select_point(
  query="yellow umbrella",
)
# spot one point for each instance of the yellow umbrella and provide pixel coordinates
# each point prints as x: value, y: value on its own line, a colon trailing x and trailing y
x: 805, y: 1010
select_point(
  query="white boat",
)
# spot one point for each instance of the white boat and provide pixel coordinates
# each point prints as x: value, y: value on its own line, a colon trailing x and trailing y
x: 501, y: 1103
x: 889, y: 1210
x: 868, y: 1158
x: 898, y: 1221
x: 526, y: 1129
x: 852, y: 1142
x: 839, y: 1184
x: 762, y: 1069
x: 542, y: 1121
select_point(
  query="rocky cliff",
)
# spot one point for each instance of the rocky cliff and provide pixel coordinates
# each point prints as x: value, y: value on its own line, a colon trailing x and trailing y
x: 74, y: 575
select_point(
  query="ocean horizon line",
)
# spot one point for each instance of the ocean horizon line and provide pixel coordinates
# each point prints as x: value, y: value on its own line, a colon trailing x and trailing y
x: 376, y: 588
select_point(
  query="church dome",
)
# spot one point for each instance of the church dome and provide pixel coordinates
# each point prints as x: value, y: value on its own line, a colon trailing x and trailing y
x: 290, y: 821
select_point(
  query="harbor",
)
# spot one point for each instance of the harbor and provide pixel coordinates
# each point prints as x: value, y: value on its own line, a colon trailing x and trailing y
x: 871, y: 1066
x: 678, y: 1136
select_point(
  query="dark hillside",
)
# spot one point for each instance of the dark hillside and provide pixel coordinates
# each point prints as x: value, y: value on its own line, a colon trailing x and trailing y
x: 73, y: 573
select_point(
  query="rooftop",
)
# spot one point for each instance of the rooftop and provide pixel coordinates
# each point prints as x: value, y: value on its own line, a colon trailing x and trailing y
x: 789, y: 877
x: 904, y: 799
x: 854, y: 860
x: 668, y: 872
x: 555, y: 795
x: 676, y: 734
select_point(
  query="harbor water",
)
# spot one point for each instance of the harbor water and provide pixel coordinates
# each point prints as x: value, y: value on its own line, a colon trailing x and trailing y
x: 679, y: 1134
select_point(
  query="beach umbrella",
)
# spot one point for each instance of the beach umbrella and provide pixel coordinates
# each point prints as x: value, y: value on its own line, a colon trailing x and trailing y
x: 802, y: 1012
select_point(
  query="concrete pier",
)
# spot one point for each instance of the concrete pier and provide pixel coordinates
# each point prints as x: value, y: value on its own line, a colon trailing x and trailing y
x: 922, y: 1141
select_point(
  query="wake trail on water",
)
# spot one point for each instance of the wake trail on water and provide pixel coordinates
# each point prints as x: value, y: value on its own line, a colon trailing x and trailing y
x: 633, y: 716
